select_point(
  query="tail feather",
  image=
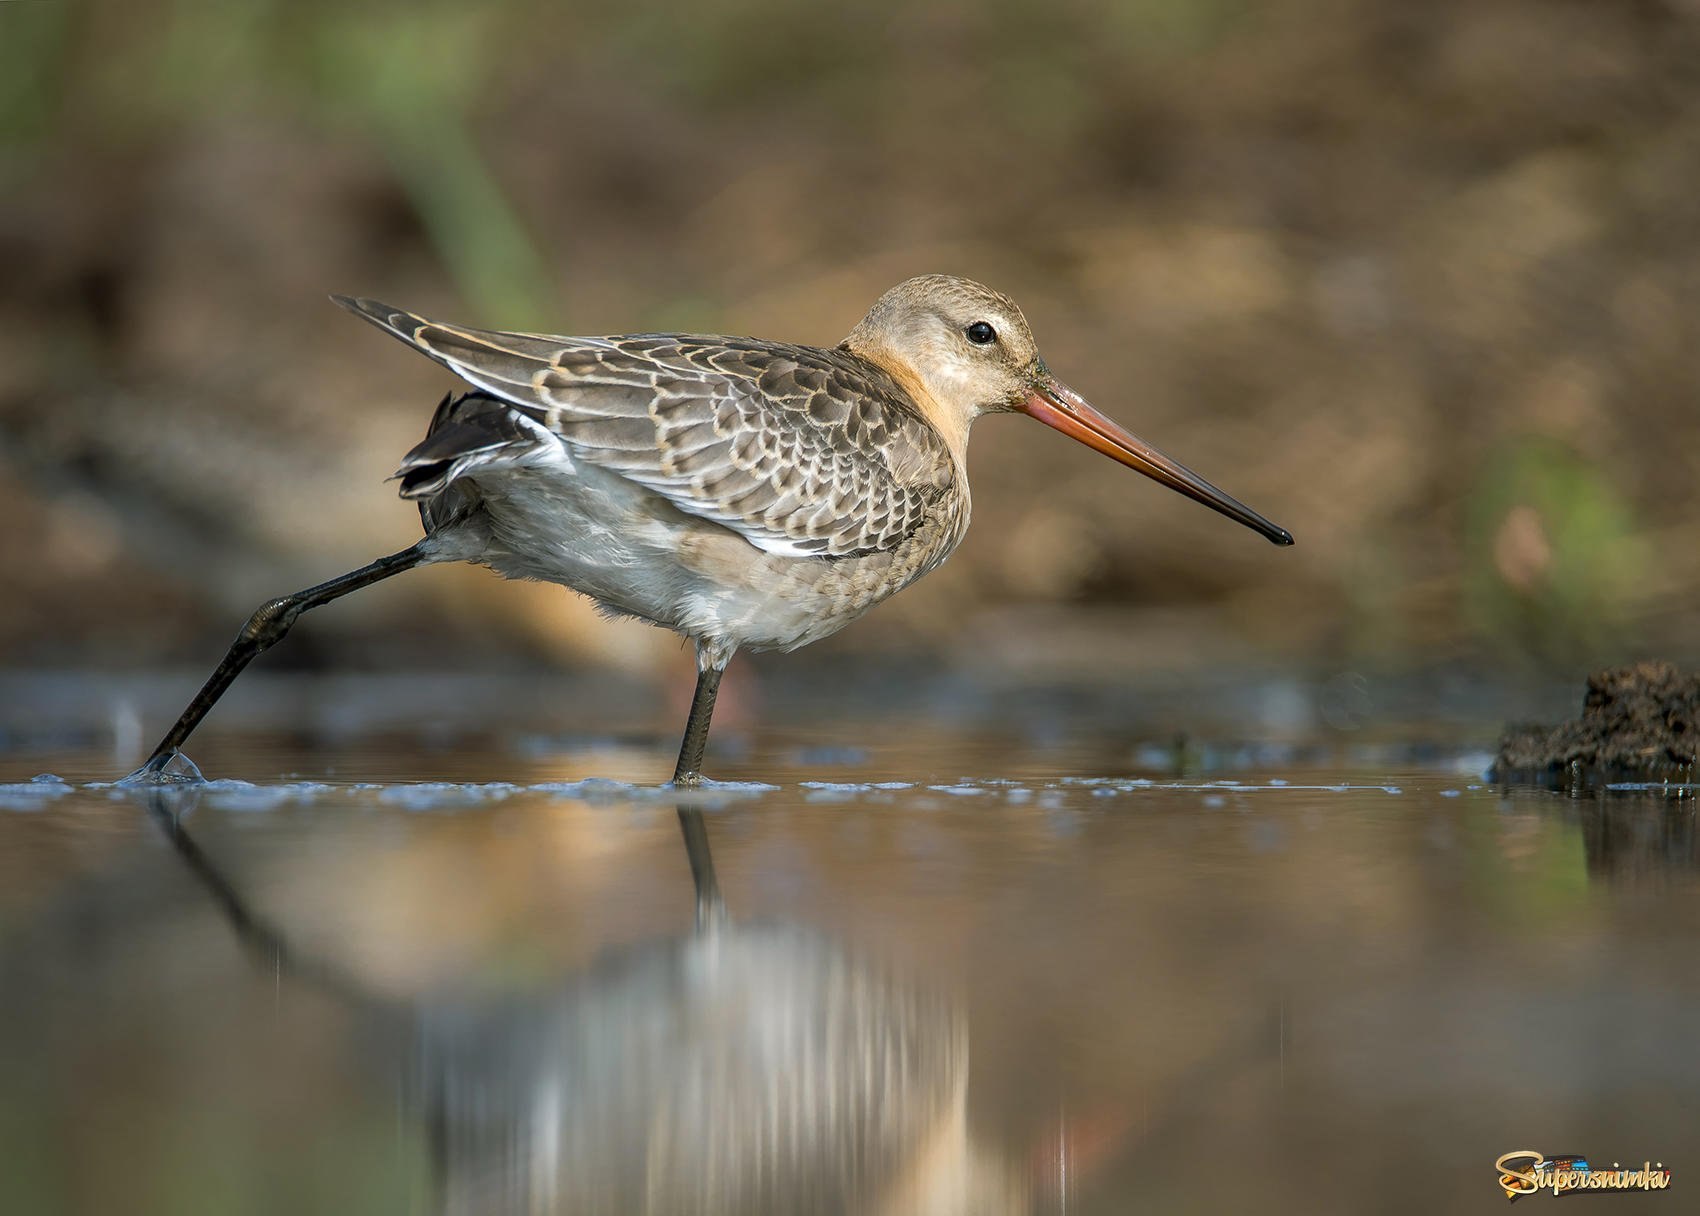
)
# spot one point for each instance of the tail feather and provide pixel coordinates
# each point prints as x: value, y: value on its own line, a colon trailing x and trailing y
x: 470, y: 431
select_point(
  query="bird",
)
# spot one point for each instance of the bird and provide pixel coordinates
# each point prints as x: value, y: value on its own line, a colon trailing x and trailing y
x: 746, y: 494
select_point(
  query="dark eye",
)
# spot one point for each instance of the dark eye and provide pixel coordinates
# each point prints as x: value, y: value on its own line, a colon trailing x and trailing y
x: 981, y: 334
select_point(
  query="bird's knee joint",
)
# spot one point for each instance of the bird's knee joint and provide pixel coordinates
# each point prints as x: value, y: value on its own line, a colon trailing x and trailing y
x: 270, y: 621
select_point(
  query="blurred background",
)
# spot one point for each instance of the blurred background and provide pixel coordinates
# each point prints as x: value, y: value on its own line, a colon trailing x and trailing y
x: 1420, y: 282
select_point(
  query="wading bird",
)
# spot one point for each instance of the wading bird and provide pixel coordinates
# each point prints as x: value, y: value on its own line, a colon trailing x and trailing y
x: 745, y: 494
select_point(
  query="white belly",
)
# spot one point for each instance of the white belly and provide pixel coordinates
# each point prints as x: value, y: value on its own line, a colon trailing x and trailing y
x: 637, y: 555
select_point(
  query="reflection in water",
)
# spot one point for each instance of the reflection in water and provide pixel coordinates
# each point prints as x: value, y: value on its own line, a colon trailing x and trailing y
x: 740, y: 1069
x: 1212, y: 995
x: 1636, y: 839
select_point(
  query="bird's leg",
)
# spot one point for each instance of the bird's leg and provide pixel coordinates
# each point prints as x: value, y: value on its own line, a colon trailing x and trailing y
x: 709, y: 668
x: 266, y: 627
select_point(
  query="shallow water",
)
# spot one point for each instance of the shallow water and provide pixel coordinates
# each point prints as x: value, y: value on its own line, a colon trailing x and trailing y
x: 982, y: 966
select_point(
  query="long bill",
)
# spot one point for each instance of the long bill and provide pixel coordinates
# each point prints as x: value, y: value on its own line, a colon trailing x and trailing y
x: 1060, y: 407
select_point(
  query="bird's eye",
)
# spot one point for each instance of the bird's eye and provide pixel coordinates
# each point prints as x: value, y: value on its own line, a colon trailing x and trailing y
x: 981, y: 334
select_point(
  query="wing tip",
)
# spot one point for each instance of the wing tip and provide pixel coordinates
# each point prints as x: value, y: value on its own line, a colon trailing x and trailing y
x: 355, y: 304
x: 385, y: 316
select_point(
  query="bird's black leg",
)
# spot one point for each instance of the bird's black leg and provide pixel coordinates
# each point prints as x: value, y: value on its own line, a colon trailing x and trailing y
x: 689, y: 769
x: 266, y: 627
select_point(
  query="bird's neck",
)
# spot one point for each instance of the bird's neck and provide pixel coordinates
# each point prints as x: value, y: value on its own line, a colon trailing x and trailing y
x: 948, y: 420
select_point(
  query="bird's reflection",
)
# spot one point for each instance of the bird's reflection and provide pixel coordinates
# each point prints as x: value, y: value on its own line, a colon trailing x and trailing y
x: 738, y: 1068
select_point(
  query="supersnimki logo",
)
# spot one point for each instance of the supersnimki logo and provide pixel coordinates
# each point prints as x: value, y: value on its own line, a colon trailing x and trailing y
x: 1526, y: 1172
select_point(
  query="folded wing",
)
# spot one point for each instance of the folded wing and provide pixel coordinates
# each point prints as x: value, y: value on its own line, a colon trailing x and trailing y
x: 800, y: 450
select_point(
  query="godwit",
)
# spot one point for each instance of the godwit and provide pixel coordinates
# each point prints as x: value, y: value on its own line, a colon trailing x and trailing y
x: 745, y: 494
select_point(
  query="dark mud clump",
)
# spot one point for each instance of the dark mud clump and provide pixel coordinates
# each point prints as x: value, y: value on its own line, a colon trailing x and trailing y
x: 1639, y: 723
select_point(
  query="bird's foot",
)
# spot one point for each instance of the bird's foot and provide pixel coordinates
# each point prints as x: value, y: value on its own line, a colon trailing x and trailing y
x: 167, y: 768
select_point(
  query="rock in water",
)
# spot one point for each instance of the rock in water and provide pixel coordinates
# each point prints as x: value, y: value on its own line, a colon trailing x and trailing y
x: 1639, y: 723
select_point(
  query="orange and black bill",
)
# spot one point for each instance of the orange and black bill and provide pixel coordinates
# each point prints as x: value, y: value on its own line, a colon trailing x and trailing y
x: 1058, y: 406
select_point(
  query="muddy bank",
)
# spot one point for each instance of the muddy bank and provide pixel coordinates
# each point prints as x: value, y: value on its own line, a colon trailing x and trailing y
x: 1638, y: 723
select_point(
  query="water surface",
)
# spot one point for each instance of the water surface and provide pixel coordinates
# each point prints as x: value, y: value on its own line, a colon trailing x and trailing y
x: 976, y: 967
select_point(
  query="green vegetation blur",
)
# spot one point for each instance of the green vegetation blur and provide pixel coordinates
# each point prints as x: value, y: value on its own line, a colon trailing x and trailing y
x: 1420, y: 282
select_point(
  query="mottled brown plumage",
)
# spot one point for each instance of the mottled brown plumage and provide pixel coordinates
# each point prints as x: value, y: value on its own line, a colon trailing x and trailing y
x: 743, y: 493
x: 800, y: 450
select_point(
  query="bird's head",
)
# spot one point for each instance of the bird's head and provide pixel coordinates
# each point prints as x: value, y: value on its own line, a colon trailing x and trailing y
x: 962, y: 350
